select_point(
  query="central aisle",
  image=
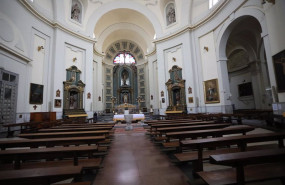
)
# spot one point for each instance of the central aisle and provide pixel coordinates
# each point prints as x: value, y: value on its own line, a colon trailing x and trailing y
x: 134, y: 160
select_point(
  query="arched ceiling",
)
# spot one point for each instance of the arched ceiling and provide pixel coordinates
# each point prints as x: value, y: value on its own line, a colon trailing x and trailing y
x: 124, y: 24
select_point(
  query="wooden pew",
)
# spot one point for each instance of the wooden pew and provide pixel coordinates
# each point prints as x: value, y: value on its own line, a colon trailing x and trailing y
x: 165, y: 130
x: 249, y: 166
x: 51, y: 142
x: 211, y: 132
x: 64, y: 134
x: 18, y: 155
x: 74, y: 129
x: 43, y: 176
x: 197, y: 157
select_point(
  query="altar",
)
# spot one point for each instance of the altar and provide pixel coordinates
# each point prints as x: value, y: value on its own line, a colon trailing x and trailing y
x: 136, y: 117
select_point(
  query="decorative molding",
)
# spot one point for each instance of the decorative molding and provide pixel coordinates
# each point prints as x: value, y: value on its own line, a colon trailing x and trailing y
x: 55, y: 24
x: 151, y: 53
x: 96, y: 1
x: 15, y: 53
x: 151, y: 4
x: 197, y: 25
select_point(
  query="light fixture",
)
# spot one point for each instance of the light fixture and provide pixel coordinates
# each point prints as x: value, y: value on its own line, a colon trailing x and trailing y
x: 40, y: 48
x: 74, y: 59
x: 174, y: 59
x: 206, y: 48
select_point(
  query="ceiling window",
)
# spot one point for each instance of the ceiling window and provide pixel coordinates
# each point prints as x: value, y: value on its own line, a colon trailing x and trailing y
x: 212, y: 3
x: 124, y: 58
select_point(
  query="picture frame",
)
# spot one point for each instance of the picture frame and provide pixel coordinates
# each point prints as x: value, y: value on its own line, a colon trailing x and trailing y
x: 36, y: 94
x: 245, y: 89
x: 190, y: 99
x: 57, y: 103
x: 279, y: 67
x: 211, y: 91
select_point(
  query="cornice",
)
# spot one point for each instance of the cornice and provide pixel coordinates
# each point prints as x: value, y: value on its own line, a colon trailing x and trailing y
x: 97, y: 52
x: 195, y: 26
x: 15, y: 53
x: 151, y: 53
x: 54, y: 24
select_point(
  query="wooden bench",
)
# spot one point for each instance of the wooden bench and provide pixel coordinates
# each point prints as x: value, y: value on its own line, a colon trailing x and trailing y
x: 18, y: 155
x: 74, y: 129
x: 43, y: 176
x: 211, y: 132
x: 85, y: 163
x: 155, y: 127
x: 249, y: 167
x: 165, y: 130
x: 51, y: 142
x: 197, y: 157
x: 64, y: 134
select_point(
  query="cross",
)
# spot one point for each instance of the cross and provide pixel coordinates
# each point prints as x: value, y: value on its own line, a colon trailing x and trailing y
x: 35, y: 107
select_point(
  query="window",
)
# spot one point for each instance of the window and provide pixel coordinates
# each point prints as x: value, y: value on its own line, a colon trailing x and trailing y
x: 124, y: 58
x: 212, y: 3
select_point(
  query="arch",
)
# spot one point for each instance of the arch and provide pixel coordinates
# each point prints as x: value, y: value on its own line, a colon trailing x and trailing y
x: 94, y: 18
x: 126, y: 26
x: 230, y: 24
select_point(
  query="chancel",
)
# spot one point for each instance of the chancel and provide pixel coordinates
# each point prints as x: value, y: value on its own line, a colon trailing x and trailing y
x: 152, y: 83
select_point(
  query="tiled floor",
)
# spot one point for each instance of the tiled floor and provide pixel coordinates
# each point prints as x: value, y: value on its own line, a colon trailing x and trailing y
x: 134, y: 160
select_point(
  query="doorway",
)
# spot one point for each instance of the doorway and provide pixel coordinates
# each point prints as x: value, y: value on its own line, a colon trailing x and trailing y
x: 8, y: 96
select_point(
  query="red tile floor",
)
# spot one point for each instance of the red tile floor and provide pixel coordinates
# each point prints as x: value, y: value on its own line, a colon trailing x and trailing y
x: 135, y: 160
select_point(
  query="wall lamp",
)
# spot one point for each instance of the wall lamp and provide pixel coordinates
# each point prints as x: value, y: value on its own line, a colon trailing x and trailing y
x: 74, y: 59
x: 40, y: 48
x: 206, y: 48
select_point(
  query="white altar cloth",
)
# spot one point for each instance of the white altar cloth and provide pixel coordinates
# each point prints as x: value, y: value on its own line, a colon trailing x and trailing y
x: 136, y: 117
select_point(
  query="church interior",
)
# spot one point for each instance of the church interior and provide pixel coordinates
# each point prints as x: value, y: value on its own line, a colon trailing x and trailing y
x: 142, y: 92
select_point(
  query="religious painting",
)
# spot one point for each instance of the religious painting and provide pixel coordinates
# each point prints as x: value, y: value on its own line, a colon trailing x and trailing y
x: 36, y: 93
x: 57, y: 103
x: 162, y: 94
x: 211, y: 91
x: 245, y: 89
x: 151, y: 97
x: 163, y: 100
x: 189, y: 90
x: 190, y: 99
x: 76, y: 11
x: 279, y: 66
x: 89, y: 95
x: 57, y: 93
x: 99, y: 98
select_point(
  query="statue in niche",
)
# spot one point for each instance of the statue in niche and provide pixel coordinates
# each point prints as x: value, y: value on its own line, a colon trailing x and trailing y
x: 125, y: 98
x: 75, y: 12
x: 125, y: 76
x: 170, y: 14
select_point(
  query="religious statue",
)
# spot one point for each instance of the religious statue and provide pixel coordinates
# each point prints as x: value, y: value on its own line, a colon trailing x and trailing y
x: 125, y: 98
x: 171, y: 15
x: 75, y: 12
x: 125, y: 76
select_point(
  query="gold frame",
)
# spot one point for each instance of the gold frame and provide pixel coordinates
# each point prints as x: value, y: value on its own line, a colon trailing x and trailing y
x: 190, y: 100
x: 211, y: 91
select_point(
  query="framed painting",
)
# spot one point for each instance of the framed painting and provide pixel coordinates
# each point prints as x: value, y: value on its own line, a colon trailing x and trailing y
x: 190, y: 99
x: 57, y: 103
x: 36, y: 93
x: 211, y: 91
x: 279, y: 66
x: 245, y: 89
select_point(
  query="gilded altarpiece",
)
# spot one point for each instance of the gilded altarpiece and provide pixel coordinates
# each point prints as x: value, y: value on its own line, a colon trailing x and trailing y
x: 73, y: 92
x: 176, y: 90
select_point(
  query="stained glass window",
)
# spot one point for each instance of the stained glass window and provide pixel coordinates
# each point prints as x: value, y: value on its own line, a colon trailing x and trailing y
x: 124, y: 58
